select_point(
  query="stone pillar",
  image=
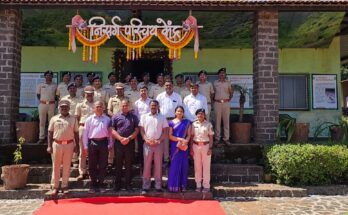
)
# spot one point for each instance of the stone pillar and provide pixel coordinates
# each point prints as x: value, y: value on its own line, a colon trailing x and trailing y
x: 265, y: 76
x: 10, y: 67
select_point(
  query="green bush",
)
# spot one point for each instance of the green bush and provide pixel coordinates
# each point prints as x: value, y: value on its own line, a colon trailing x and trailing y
x: 307, y: 164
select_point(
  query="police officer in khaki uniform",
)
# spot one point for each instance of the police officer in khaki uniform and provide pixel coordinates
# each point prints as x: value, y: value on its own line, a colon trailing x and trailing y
x: 114, y: 106
x: 186, y: 90
x: 78, y: 79
x: 110, y: 87
x: 99, y: 93
x: 90, y: 77
x: 63, y: 86
x: 206, y: 89
x: 73, y: 98
x: 179, y: 78
x: 83, y: 111
x: 158, y: 88
x: 133, y: 94
x: 146, y: 81
x: 223, y: 95
x: 62, y: 134
x: 46, y: 95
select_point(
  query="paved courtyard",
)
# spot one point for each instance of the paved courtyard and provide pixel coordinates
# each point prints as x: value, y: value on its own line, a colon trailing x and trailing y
x: 330, y: 205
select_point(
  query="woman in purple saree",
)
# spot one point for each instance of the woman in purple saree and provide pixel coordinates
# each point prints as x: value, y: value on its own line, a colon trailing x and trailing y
x: 179, y: 136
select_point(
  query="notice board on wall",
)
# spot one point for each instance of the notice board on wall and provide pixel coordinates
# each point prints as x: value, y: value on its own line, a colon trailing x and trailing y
x: 324, y: 92
x: 28, y: 84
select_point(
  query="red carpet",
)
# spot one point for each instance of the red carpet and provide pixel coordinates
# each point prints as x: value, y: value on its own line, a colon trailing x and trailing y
x: 137, y: 205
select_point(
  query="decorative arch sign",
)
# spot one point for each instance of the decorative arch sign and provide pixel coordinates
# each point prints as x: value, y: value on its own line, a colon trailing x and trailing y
x: 134, y: 36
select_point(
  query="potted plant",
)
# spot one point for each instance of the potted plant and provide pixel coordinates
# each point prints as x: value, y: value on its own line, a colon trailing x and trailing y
x: 294, y: 131
x: 15, y: 176
x: 301, y: 132
x: 29, y: 128
x: 286, y: 124
x: 240, y: 131
x: 338, y: 131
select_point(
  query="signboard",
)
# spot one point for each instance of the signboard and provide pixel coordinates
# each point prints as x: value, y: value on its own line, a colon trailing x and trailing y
x: 29, y: 82
x: 324, y: 91
x: 245, y: 81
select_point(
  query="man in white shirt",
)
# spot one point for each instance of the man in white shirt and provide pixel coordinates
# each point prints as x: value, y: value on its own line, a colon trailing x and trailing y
x: 153, y: 128
x: 168, y: 101
x: 141, y: 107
x: 193, y: 102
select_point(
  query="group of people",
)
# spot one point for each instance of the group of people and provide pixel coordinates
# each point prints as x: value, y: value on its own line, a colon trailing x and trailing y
x: 108, y: 124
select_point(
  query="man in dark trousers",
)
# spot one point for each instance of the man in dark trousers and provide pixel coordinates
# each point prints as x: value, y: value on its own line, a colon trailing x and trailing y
x: 124, y: 130
x: 97, y: 141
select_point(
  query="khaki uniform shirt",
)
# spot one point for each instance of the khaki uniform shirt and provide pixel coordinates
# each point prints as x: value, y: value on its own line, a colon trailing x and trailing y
x: 178, y: 89
x: 222, y: 89
x: 101, y: 95
x: 156, y: 90
x: 201, y: 131
x: 110, y: 89
x: 73, y: 103
x: 47, y: 92
x: 149, y: 85
x: 206, y: 89
x: 114, y: 104
x: 80, y: 92
x: 133, y: 96
x: 185, y: 92
x: 84, y: 110
x: 62, y: 90
x: 63, y: 127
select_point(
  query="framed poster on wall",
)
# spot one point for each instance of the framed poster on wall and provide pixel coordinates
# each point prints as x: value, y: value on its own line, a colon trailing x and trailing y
x: 28, y: 84
x: 324, y: 92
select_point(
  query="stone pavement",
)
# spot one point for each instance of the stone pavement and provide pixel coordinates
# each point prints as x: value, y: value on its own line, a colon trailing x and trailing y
x: 328, y: 205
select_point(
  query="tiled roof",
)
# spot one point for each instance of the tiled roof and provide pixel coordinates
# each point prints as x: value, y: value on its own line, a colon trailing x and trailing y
x: 186, y: 4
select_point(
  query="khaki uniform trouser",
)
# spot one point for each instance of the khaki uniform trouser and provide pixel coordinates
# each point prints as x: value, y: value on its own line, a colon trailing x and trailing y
x: 202, y: 165
x: 61, y: 156
x: 83, y: 154
x: 222, y: 111
x: 209, y: 111
x: 45, y: 110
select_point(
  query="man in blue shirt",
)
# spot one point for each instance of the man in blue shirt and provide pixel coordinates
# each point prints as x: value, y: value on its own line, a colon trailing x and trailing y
x: 124, y: 130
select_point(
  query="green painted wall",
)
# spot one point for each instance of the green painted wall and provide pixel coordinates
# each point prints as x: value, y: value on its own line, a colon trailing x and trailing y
x: 237, y: 61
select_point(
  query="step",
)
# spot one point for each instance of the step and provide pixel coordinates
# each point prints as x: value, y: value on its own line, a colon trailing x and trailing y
x: 30, y: 191
x: 241, y: 173
x: 256, y: 190
x: 137, y: 182
x: 233, y: 153
x: 83, y: 193
x: 42, y: 191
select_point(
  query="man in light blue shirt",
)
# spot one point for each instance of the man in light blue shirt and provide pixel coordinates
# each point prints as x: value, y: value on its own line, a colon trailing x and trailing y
x: 97, y: 141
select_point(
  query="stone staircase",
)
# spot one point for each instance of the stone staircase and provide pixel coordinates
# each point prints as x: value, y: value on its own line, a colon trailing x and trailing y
x: 235, y: 172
